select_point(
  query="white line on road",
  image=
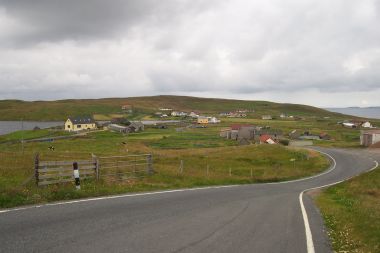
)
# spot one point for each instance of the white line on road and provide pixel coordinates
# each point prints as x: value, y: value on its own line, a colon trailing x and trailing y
x: 309, y: 236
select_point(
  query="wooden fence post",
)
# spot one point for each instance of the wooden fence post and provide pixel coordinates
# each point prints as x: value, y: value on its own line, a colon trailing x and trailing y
x: 181, y: 167
x: 149, y: 168
x: 36, y: 164
x: 96, y: 163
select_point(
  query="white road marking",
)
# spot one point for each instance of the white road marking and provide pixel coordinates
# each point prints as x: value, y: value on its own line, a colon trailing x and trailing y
x: 309, y: 235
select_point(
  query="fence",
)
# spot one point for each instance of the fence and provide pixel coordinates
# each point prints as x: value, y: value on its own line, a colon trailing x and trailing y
x: 125, y: 167
x: 108, y: 167
x: 53, y: 172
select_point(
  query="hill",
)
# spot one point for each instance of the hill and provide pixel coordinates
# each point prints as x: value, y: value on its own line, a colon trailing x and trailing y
x: 61, y: 109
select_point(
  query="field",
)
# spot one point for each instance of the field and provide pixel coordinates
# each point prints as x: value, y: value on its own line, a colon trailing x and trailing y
x: 352, y: 213
x: 207, y: 160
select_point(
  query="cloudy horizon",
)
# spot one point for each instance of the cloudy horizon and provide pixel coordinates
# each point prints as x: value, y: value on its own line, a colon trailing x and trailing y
x: 324, y: 54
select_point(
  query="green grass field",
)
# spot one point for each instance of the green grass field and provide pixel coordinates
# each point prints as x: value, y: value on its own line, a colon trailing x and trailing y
x: 197, y: 148
x: 351, y: 211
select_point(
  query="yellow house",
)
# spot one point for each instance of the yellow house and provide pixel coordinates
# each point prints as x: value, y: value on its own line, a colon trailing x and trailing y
x: 202, y: 120
x: 79, y: 123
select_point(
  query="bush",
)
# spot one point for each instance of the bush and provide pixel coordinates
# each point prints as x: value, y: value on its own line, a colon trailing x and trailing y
x: 284, y: 142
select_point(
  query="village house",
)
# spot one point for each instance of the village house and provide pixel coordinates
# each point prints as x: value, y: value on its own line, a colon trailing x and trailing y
x: 118, y: 128
x: 178, y: 114
x: 274, y: 134
x: 127, y: 108
x: 266, y: 139
x: 202, y: 120
x: 137, y: 125
x: 367, y: 124
x: 349, y: 125
x: 369, y: 137
x: 266, y: 117
x: 246, y: 134
x: 213, y: 120
x: 193, y: 115
x: 79, y: 124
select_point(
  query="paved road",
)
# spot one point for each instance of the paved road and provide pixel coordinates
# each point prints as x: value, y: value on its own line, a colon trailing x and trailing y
x: 250, y: 218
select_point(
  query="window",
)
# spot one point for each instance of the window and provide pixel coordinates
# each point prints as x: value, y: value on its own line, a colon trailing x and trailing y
x: 79, y: 126
x: 68, y: 126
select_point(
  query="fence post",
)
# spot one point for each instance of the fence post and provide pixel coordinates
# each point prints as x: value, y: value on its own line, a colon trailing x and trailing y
x: 36, y: 164
x: 149, y: 168
x: 96, y: 163
x: 181, y: 167
x: 76, y: 175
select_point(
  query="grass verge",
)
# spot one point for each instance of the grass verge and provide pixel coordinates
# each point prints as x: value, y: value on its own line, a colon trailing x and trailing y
x: 351, y: 211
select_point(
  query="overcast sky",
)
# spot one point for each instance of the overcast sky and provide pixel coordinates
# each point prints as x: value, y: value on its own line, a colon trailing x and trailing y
x: 322, y: 53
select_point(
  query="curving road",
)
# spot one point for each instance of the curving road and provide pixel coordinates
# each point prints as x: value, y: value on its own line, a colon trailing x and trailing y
x: 249, y: 218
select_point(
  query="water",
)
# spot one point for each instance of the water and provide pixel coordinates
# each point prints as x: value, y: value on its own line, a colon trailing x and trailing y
x: 12, y: 126
x: 367, y: 112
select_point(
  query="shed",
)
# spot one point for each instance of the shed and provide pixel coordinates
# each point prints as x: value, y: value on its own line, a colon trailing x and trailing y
x: 369, y: 137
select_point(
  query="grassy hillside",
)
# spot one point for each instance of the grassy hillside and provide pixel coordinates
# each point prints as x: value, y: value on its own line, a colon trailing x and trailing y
x: 60, y: 109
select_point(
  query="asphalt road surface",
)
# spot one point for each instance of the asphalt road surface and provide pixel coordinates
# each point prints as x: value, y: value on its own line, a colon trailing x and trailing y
x: 249, y: 218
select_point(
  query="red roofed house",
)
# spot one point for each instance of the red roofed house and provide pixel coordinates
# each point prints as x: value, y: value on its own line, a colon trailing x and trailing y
x: 266, y: 139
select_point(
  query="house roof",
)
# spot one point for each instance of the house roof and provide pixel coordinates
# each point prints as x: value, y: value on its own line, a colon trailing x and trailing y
x: 82, y: 120
x: 265, y: 137
x: 238, y: 126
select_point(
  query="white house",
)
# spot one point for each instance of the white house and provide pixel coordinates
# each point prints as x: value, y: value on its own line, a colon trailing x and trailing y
x: 79, y: 123
x: 367, y: 124
x: 175, y: 113
x: 349, y: 125
x: 213, y: 120
x: 193, y: 115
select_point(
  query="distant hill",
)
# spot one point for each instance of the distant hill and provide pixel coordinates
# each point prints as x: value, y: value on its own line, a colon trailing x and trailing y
x: 367, y: 112
x: 61, y: 109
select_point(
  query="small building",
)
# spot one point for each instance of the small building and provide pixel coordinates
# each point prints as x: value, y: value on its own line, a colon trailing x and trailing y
x: 118, y: 128
x: 246, y: 132
x: 137, y: 125
x: 213, y: 120
x: 266, y: 117
x: 202, y: 120
x: 369, y: 137
x: 266, y: 139
x: 349, y: 125
x: 367, y: 124
x: 275, y: 134
x: 225, y: 133
x: 79, y: 124
x: 193, y: 115
x: 295, y: 134
x: 127, y: 108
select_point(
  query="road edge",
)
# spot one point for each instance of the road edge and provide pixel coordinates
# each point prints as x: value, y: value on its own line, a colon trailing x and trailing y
x: 308, y: 233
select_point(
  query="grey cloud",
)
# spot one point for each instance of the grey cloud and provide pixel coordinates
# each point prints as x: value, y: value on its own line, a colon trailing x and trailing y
x: 54, y: 20
x: 145, y: 47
